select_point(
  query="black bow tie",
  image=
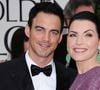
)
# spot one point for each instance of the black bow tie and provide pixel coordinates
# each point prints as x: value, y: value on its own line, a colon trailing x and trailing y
x: 35, y: 70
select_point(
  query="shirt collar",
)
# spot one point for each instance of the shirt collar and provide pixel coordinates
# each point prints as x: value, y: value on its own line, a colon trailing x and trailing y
x: 29, y: 61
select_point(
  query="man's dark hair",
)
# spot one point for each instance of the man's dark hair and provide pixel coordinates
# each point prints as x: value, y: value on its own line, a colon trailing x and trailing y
x: 46, y: 7
x: 72, y: 5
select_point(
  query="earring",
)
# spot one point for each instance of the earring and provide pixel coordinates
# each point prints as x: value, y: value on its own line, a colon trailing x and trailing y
x: 68, y: 58
x: 98, y: 56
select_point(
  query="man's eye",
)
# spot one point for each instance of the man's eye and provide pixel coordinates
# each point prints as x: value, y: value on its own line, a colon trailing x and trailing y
x: 39, y: 30
x: 55, y: 32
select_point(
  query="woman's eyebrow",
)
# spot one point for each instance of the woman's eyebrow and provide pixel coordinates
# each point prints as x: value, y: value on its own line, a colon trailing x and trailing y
x: 73, y: 32
x: 88, y: 30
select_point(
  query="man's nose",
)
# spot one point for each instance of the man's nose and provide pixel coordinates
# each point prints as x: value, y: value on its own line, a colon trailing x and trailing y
x: 46, y: 36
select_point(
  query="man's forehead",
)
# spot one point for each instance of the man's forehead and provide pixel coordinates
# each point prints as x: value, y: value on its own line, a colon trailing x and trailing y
x: 84, y: 8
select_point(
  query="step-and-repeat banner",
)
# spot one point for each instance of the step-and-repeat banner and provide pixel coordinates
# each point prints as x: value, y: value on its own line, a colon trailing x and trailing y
x: 13, y: 14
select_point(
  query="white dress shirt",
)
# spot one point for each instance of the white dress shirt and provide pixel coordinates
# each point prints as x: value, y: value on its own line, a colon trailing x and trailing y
x: 41, y: 81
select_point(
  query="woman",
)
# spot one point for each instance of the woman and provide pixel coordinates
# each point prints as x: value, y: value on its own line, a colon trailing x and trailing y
x: 19, y: 43
x: 83, y: 42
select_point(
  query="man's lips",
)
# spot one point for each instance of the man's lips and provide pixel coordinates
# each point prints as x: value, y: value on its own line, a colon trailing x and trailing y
x: 44, y: 45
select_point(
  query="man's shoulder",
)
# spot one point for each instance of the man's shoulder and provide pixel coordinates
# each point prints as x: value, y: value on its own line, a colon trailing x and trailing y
x: 12, y: 64
x: 65, y: 70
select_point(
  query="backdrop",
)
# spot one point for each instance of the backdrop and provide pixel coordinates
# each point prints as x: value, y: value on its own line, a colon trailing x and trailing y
x: 13, y: 14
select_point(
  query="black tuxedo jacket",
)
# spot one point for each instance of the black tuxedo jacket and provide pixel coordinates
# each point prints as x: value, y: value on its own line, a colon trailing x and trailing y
x: 14, y: 75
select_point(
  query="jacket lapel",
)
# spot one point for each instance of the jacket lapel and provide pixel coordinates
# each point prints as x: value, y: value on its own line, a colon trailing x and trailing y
x: 61, y: 80
x: 27, y: 82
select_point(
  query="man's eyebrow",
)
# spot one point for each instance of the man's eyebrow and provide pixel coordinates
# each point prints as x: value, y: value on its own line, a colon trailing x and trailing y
x: 55, y: 30
x: 44, y: 28
x: 39, y: 27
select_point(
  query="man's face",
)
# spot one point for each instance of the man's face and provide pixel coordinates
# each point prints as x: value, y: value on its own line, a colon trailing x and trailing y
x: 44, y: 35
x: 81, y: 8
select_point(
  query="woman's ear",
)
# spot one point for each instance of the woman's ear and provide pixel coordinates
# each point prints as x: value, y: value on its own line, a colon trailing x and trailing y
x: 27, y: 31
x: 99, y: 44
x: 98, y: 56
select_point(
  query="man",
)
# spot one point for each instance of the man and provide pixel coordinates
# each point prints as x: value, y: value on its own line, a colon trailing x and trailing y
x: 44, y: 30
x: 75, y: 6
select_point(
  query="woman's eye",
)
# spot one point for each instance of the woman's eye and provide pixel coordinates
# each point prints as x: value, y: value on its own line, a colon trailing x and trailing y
x: 72, y: 35
x: 89, y: 35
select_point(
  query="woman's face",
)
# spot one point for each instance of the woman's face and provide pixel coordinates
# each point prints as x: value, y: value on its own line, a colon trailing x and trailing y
x: 82, y: 40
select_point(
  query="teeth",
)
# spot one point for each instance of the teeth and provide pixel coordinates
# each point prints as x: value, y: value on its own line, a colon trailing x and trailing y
x: 45, y: 45
x: 79, y: 49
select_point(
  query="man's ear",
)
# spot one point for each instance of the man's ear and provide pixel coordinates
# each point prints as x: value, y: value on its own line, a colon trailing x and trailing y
x: 27, y: 31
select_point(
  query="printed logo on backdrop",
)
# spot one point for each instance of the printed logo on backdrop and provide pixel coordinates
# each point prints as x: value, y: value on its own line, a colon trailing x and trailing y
x: 12, y: 16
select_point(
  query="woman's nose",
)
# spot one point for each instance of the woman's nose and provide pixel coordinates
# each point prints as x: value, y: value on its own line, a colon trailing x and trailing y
x: 79, y: 40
